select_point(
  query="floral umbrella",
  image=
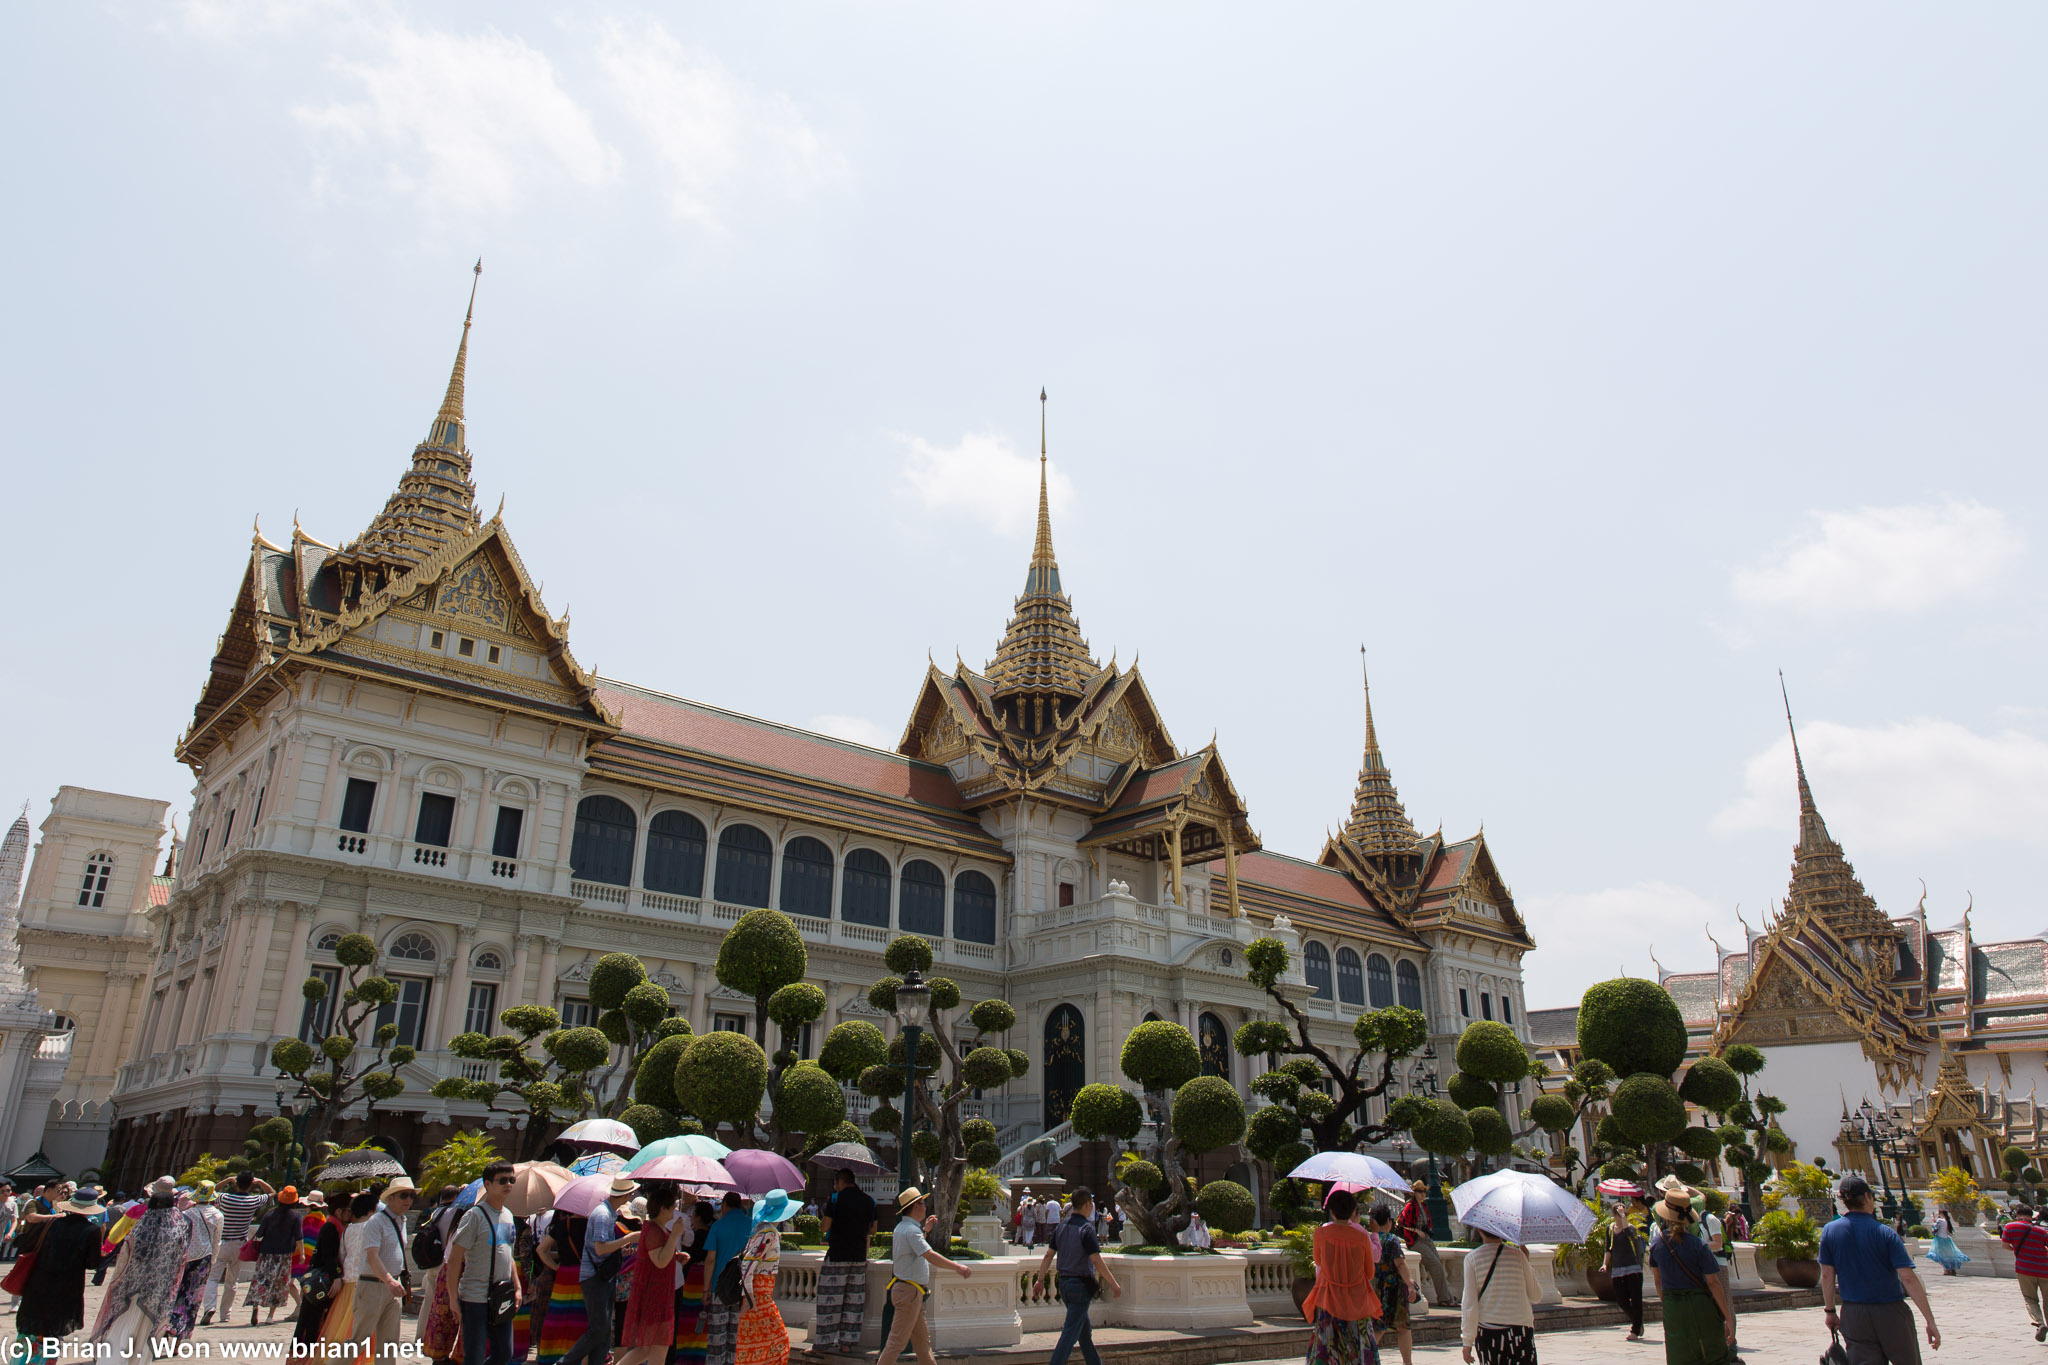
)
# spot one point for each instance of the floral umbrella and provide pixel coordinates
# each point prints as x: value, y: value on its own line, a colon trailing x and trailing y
x: 598, y: 1163
x: 1522, y: 1207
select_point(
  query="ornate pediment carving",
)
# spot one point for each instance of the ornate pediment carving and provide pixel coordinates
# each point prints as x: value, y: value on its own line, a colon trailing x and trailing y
x: 472, y: 591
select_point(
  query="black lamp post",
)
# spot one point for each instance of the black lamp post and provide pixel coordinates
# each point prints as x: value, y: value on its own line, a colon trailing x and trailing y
x: 1439, y: 1213
x: 913, y: 1007
x: 1874, y: 1138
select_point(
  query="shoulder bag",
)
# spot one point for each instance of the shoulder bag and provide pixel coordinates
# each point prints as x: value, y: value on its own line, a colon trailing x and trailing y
x: 1693, y: 1275
x: 728, y: 1288
x: 501, y: 1301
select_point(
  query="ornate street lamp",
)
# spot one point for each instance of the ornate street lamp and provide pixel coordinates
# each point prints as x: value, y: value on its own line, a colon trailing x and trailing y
x: 1877, y: 1137
x: 913, y: 1007
x: 1439, y: 1214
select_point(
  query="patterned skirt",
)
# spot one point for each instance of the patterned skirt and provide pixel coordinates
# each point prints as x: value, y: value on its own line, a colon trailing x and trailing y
x: 1333, y: 1341
x: 270, y: 1285
x: 565, y: 1321
x: 184, y: 1314
x: 842, y: 1306
x: 763, y: 1338
x: 1506, y: 1346
x: 689, y: 1342
x: 440, y: 1329
x: 341, y: 1314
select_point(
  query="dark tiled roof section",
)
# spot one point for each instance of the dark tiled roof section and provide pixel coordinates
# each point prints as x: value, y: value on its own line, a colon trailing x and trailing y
x: 1734, y: 975
x: 1697, y: 994
x: 1159, y: 783
x: 2008, y: 971
x: 1554, y: 1028
x: 1450, y: 865
x: 681, y: 724
x: 1945, y: 959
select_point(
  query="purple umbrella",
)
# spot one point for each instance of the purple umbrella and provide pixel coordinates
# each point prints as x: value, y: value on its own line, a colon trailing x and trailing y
x: 756, y: 1172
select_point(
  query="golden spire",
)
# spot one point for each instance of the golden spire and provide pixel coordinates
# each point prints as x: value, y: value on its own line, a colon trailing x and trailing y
x: 448, y: 423
x: 1042, y: 650
x: 1823, y: 882
x: 1379, y: 824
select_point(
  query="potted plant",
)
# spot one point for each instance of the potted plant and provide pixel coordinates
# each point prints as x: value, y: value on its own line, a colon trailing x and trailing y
x: 1955, y: 1189
x: 1812, y: 1186
x: 1792, y: 1240
x: 1301, y: 1252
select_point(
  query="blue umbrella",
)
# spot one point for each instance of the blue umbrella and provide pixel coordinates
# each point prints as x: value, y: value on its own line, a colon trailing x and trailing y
x: 469, y: 1193
x: 598, y: 1163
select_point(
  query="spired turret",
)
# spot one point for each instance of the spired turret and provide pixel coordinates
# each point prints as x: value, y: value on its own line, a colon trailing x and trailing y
x: 1823, y: 882
x: 1379, y: 829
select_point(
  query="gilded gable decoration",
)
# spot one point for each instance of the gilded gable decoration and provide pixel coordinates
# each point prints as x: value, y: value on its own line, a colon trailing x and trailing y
x: 473, y: 591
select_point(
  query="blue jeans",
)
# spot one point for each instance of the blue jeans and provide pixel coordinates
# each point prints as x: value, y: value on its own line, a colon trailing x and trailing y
x: 1075, y: 1293
x: 482, y: 1342
x: 596, y: 1342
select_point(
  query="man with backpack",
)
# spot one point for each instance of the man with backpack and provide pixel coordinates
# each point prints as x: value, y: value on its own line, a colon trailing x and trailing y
x: 480, y: 1267
x: 722, y: 1246
x: 1081, y: 1269
x: 604, y: 1246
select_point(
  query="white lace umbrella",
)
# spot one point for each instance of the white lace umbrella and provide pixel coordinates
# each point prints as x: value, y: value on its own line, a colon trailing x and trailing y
x: 1351, y: 1168
x: 1522, y: 1207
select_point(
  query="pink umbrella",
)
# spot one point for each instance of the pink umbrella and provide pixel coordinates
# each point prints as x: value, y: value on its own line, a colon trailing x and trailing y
x: 582, y: 1195
x: 754, y: 1171
x: 691, y: 1170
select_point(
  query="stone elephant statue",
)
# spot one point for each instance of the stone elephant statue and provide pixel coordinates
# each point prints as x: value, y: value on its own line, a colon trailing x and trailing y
x: 1038, y: 1156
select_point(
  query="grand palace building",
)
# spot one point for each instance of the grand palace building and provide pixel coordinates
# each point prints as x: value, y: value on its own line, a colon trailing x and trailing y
x: 394, y: 738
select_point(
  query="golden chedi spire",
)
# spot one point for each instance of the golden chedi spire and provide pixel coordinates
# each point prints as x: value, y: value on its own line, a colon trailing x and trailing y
x: 1042, y: 657
x: 1379, y: 826
x: 436, y: 500
x: 1823, y: 881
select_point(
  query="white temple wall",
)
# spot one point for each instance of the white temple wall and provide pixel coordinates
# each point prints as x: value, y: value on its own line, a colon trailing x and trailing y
x: 1813, y: 1079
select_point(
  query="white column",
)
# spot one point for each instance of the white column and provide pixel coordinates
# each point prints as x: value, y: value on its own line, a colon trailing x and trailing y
x: 290, y: 1003
x: 246, y: 989
x: 456, y: 1005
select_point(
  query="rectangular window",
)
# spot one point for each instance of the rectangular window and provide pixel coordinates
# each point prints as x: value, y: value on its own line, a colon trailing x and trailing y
x: 436, y: 640
x: 257, y: 814
x: 482, y: 1013
x: 494, y: 654
x: 1066, y: 898
x: 577, y: 1013
x: 437, y: 819
x: 505, y: 843
x: 1485, y: 1005
x: 408, y: 1011
x: 318, y: 1015
x: 1464, y: 1005
x: 355, y: 805
x: 1507, y: 1010
x: 733, y: 1023
x: 227, y: 831
x: 801, y: 1041
x: 204, y: 835
x: 466, y: 647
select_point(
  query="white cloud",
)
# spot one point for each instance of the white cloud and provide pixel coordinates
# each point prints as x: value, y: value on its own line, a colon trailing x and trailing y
x: 1587, y: 936
x: 461, y: 122
x: 718, y: 138
x: 982, y: 479
x: 1886, y: 559
x: 1915, y: 785
x: 228, y: 20
x: 859, y: 729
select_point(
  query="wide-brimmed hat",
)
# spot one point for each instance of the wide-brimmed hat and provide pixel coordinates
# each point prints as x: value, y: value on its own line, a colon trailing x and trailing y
x: 162, y: 1185
x: 774, y: 1207
x: 401, y: 1184
x: 288, y: 1195
x: 1418, y: 1188
x: 623, y: 1185
x: 86, y: 1205
x: 908, y: 1198
x: 315, y: 1200
x: 1675, y: 1207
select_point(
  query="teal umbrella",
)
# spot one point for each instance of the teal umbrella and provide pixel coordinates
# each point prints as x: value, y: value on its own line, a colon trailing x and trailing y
x: 690, y: 1144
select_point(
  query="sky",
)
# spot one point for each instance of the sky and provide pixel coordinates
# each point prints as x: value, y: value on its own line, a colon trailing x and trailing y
x: 1588, y: 364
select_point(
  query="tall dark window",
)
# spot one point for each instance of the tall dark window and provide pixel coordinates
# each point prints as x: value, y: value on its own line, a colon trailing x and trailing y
x: 864, y: 889
x: 806, y: 878
x: 318, y: 1015
x: 99, y: 870
x: 1464, y: 1002
x: 1214, y: 1041
x: 437, y: 820
x: 1485, y: 1005
x: 1379, y: 981
x: 1350, y: 979
x: 745, y: 865
x: 1315, y: 965
x: 1507, y: 1009
x: 924, y: 900
x: 356, y: 803
x: 227, y: 831
x: 1066, y: 1062
x: 974, y: 908
x: 505, y: 841
x: 602, y: 850
x: 576, y: 1012
x: 481, y: 1015
x: 675, y: 854
x: 1409, y: 983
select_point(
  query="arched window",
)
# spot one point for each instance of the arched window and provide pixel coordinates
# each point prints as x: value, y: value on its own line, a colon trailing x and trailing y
x: 746, y: 859
x: 974, y: 908
x: 675, y: 854
x: 1350, y: 980
x: 1380, y: 979
x: 93, y: 890
x: 602, y: 850
x: 864, y: 891
x: 806, y: 878
x: 1315, y: 964
x: 1214, y: 1041
x: 329, y: 941
x: 1066, y: 1062
x: 1409, y: 984
x: 488, y: 961
x: 412, y: 948
x: 924, y: 900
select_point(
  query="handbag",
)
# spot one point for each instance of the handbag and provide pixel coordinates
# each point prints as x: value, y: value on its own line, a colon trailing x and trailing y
x: 1836, y: 1353
x: 317, y: 1286
x: 728, y: 1287
x: 503, y: 1301
x: 247, y: 1252
x: 17, y: 1274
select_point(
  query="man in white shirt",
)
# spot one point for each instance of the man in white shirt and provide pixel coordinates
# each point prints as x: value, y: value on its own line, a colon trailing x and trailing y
x: 380, y: 1285
x: 1050, y: 1215
x: 910, y: 1260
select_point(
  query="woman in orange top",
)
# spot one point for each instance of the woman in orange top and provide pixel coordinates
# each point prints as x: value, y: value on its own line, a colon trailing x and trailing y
x: 1343, y: 1303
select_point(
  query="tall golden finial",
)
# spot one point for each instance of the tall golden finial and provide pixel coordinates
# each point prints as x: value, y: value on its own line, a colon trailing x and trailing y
x: 1806, y: 806
x: 1044, y: 575
x: 1372, y: 739
x: 448, y: 422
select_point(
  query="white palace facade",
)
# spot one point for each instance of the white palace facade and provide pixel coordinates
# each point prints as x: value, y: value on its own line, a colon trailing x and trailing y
x: 394, y: 738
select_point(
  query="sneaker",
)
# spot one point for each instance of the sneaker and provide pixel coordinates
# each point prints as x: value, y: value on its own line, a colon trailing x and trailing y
x: 208, y: 1317
x: 2040, y: 1332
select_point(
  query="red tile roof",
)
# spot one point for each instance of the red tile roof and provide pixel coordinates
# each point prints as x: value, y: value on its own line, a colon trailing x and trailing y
x: 706, y: 729
x: 1159, y: 783
x: 1450, y: 866
x: 1292, y: 875
x: 160, y: 890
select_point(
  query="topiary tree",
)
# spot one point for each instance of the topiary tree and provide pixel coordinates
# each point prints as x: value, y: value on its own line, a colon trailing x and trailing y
x: 545, y: 1086
x: 759, y: 955
x: 270, y: 1151
x: 333, y: 1076
x: 1205, y: 1114
x: 1752, y: 1117
x: 1385, y: 1036
x: 951, y: 1067
x: 720, y: 1081
x: 1632, y: 1025
x: 1227, y: 1206
x: 631, y: 1010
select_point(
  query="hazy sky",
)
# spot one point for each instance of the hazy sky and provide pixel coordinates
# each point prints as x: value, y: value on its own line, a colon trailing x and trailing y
x: 1588, y: 363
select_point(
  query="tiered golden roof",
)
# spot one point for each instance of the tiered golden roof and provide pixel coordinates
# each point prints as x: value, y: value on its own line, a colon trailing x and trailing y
x: 1042, y: 655
x: 1823, y: 882
x: 1379, y: 826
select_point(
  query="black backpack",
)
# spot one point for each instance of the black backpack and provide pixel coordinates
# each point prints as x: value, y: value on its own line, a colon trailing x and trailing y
x: 429, y: 1250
